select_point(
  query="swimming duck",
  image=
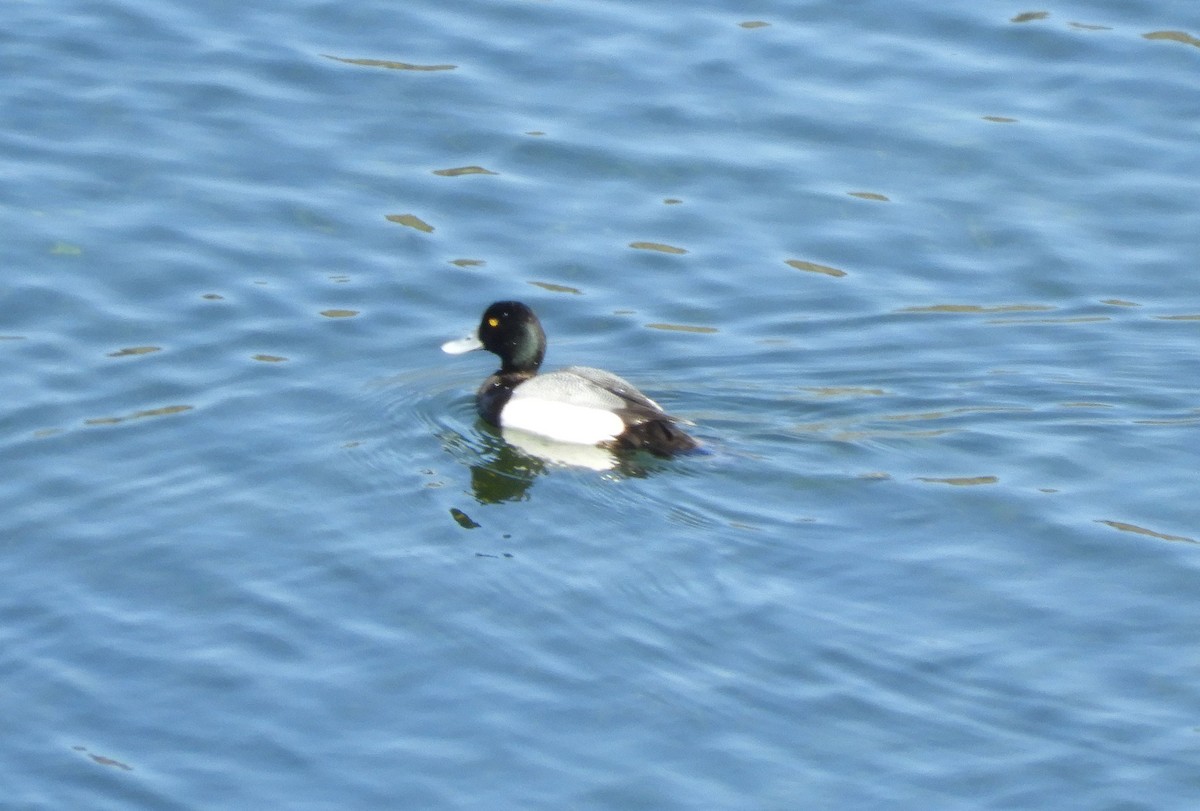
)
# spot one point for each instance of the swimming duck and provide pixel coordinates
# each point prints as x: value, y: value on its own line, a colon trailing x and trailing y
x: 577, y: 404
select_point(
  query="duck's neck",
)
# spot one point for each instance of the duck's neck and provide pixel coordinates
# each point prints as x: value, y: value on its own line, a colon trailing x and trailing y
x: 527, y: 353
x: 519, y: 369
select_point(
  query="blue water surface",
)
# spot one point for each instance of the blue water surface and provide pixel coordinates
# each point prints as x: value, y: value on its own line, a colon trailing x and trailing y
x: 921, y: 275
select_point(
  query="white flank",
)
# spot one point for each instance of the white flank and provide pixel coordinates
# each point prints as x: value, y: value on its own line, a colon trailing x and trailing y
x: 562, y: 422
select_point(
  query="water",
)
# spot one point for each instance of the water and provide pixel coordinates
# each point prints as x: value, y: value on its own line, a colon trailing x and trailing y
x: 257, y: 549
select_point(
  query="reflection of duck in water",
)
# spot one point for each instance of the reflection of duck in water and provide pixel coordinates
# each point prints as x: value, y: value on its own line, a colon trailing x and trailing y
x: 578, y: 404
x: 511, y: 461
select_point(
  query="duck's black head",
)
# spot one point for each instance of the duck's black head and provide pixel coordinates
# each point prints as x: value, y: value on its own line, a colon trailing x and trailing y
x: 511, y: 331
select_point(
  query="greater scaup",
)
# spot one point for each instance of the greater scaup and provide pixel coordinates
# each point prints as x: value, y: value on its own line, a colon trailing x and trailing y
x: 577, y: 404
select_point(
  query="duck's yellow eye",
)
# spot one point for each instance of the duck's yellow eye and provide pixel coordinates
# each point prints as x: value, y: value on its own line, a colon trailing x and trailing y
x: 493, y: 322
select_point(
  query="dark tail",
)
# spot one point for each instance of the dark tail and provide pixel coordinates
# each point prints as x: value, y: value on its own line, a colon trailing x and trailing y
x: 659, y: 437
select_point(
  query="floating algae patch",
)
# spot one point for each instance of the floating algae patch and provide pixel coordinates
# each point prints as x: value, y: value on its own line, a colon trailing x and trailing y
x: 657, y: 246
x: 464, y: 170
x: 134, y: 350
x: 411, y: 221
x: 164, y: 411
x: 387, y: 63
x: 961, y: 481
x: 813, y: 267
x: 683, y: 328
x: 977, y: 308
x: 1174, y: 36
x: 1136, y: 530
x: 557, y: 288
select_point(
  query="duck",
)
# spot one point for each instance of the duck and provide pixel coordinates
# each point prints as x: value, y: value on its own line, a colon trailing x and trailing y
x: 577, y: 404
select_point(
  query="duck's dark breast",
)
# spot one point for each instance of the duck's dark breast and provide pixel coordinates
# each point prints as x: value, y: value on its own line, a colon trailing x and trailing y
x: 495, y: 393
